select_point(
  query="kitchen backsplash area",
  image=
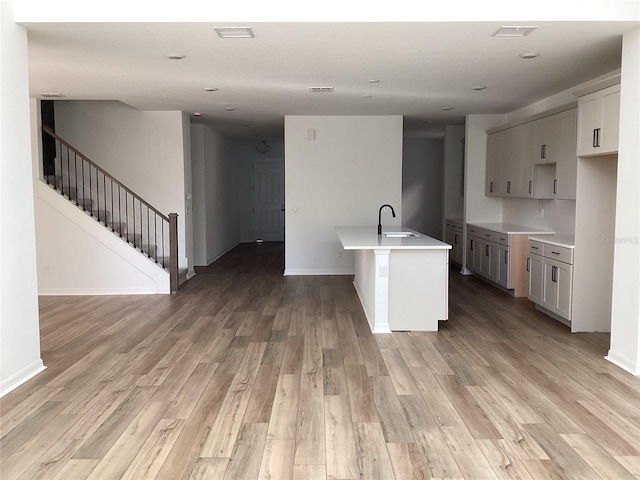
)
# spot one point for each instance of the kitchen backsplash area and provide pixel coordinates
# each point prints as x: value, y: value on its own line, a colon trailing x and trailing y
x: 558, y: 215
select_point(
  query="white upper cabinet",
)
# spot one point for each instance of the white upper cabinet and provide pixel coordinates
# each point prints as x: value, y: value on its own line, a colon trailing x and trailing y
x: 535, y: 159
x: 598, y: 122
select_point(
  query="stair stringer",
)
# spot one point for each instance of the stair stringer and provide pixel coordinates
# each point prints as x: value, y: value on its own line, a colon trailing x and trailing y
x: 83, y: 257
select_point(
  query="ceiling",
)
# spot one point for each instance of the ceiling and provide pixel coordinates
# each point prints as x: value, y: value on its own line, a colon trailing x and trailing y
x: 419, y: 69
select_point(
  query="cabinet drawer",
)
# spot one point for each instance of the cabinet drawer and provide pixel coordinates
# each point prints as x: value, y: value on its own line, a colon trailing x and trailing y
x: 500, y: 238
x: 536, y: 247
x: 561, y: 254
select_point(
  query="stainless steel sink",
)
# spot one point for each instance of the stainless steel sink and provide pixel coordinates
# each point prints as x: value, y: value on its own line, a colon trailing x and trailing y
x: 400, y: 234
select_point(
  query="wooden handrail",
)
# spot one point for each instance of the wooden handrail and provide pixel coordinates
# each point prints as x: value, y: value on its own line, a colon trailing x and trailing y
x: 47, y: 129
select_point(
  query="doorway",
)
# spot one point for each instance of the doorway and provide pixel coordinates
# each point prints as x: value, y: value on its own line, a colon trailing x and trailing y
x: 268, y: 199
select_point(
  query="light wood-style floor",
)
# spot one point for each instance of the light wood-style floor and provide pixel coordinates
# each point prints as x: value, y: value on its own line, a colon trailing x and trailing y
x: 247, y: 374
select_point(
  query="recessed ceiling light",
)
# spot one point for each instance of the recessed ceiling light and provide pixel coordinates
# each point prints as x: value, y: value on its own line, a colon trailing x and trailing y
x: 234, y: 32
x: 246, y: 124
x: 230, y: 109
x: 447, y: 108
x: 426, y: 121
x: 210, y: 89
x: 51, y: 95
x: 529, y: 55
x: 175, y: 56
x: 479, y: 88
x: 366, y: 96
x: 514, y: 31
x: 197, y: 114
x: 373, y: 81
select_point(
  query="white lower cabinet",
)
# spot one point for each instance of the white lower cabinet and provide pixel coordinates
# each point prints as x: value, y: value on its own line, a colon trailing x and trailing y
x: 551, y: 278
x: 534, y: 266
x: 453, y: 236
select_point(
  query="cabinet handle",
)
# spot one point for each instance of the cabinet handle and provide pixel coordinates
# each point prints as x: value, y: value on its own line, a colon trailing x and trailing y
x: 490, y: 187
x: 596, y: 137
x: 530, y: 186
x: 555, y: 187
x: 554, y: 274
x: 472, y: 242
x: 455, y: 239
x: 500, y: 238
x: 535, y: 248
x: 509, y: 186
x: 487, y: 234
x: 506, y: 257
x: 543, y: 151
x: 555, y: 253
x: 528, y: 264
x: 486, y: 250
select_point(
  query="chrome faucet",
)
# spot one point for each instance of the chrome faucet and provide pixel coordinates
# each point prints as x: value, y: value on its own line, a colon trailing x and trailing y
x: 393, y: 212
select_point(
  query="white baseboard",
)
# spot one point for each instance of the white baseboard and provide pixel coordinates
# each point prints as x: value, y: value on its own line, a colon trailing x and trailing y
x: 97, y: 291
x: 626, y: 364
x: 316, y: 271
x: 17, y: 379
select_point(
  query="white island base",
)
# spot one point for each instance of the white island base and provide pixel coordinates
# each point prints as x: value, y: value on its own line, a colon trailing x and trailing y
x: 402, y: 283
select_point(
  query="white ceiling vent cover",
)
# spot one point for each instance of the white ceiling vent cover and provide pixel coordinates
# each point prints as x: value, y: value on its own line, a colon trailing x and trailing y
x: 515, y: 31
x: 321, y: 89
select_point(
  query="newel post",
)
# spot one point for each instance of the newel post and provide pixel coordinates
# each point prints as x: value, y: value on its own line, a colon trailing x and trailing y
x: 173, y: 252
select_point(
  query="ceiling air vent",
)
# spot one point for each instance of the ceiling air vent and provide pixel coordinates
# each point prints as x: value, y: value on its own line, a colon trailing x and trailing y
x: 321, y: 89
x: 51, y: 95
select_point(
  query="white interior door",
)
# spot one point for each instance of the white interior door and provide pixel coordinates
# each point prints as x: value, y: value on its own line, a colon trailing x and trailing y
x: 268, y: 199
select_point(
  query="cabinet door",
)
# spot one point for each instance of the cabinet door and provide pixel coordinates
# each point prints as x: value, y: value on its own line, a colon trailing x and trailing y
x: 610, y: 120
x: 486, y: 267
x: 502, y: 164
x: 566, y: 158
x: 534, y: 264
x: 457, y: 247
x: 472, y: 246
x: 490, y: 183
x: 588, y: 123
x: 502, y: 267
x: 599, y: 122
x: 530, y: 158
x: 546, y: 131
x: 549, y: 285
x: 517, y: 157
x: 564, y: 277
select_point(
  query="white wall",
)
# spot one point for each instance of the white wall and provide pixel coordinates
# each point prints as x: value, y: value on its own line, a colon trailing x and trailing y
x: 353, y: 166
x: 143, y: 150
x: 422, y: 189
x: 19, y: 324
x: 215, y: 198
x: 81, y: 257
x: 625, y: 311
x: 477, y: 206
x: 188, y: 195
x: 246, y: 153
x: 453, y: 171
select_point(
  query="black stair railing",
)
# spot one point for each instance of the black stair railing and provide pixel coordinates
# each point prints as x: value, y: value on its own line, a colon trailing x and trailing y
x: 114, y: 205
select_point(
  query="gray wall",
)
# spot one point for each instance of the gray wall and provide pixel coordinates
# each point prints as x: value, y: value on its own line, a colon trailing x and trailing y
x: 215, y: 200
x: 422, y: 173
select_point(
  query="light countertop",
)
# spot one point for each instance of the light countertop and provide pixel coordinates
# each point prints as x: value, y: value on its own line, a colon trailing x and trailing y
x: 560, y: 240
x: 511, y: 229
x: 366, y: 238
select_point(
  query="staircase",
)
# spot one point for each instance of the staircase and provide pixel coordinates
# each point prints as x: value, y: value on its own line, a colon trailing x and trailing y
x: 114, y: 205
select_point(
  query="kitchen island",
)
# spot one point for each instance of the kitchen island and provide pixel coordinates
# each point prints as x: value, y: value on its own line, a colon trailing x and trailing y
x: 401, y: 277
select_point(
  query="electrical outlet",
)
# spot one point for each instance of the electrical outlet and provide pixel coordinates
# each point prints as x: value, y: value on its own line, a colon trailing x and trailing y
x: 47, y: 270
x: 340, y: 253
